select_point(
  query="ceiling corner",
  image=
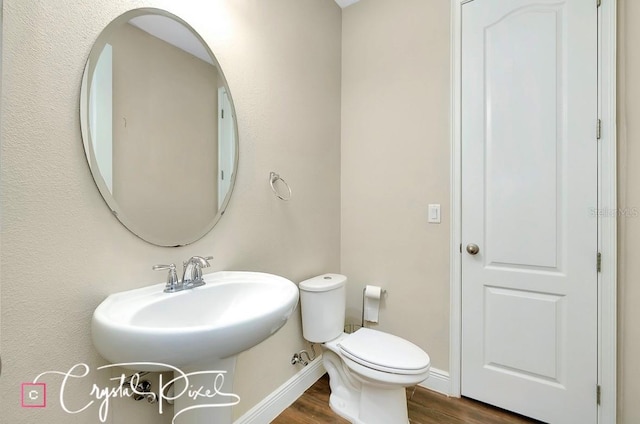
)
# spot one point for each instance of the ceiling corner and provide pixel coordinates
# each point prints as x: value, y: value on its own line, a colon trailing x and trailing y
x: 346, y: 3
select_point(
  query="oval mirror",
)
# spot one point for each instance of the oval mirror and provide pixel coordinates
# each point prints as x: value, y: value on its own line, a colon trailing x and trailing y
x: 158, y: 127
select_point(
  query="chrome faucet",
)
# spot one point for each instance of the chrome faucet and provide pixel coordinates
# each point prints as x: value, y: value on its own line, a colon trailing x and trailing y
x: 192, y: 271
x: 191, y: 274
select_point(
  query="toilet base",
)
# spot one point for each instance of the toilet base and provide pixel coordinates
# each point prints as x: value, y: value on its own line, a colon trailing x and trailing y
x: 363, y: 403
x: 375, y: 406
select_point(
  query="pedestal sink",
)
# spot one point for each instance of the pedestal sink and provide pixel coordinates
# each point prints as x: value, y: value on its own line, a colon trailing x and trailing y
x: 196, y: 333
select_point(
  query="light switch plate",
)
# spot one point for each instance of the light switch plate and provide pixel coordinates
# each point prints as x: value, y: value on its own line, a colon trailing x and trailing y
x: 434, y: 213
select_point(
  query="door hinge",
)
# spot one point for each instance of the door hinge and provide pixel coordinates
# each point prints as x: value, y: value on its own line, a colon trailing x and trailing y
x: 598, y: 129
x: 598, y: 3
x: 222, y: 115
x: 460, y: 247
x: 598, y: 391
x: 599, y: 262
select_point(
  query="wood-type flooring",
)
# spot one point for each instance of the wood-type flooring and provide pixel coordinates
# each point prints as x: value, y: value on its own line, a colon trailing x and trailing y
x: 425, y: 407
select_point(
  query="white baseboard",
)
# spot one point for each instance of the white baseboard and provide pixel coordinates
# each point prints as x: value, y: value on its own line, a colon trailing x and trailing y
x: 273, y: 405
x: 438, y: 381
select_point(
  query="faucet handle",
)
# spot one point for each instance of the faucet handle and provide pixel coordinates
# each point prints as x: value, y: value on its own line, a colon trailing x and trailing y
x: 203, y: 261
x: 204, y: 264
x: 172, y: 277
x: 198, y: 262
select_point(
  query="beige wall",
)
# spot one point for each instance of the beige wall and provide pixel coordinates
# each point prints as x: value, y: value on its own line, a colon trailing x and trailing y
x: 628, y: 198
x: 395, y: 161
x: 165, y: 132
x: 62, y: 250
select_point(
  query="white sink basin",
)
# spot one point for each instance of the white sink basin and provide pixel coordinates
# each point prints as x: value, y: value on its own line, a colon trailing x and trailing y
x: 232, y: 312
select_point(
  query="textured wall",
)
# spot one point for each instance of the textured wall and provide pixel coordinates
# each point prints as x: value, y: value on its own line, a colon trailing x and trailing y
x: 395, y: 161
x: 628, y: 93
x: 62, y: 250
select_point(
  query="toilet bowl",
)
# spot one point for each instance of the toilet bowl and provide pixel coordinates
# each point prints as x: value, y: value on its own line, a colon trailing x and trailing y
x: 369, y: 369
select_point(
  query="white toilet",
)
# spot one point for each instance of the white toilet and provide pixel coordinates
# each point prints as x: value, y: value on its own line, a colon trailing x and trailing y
x: 368, y: 370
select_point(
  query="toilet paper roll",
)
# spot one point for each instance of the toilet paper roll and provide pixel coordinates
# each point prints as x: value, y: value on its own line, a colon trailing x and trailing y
x: 372, y: 296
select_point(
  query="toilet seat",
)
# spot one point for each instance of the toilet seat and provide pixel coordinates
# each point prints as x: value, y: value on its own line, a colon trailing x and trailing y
x: 384, y: 352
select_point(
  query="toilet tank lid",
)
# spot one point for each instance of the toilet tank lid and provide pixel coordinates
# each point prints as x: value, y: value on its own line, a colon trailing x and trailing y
x: 324, y: 282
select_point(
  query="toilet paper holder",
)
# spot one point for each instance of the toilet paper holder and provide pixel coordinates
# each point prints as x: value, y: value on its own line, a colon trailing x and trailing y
x: 382, y: 293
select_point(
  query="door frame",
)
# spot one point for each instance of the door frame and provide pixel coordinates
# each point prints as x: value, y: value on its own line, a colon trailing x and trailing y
x: 607, y: 207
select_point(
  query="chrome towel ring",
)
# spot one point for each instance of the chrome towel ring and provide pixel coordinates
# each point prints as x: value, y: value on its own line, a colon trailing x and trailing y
x: 273, y: 178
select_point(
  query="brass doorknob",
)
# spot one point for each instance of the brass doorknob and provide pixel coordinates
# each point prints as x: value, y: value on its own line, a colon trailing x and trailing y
x: 472, y: 249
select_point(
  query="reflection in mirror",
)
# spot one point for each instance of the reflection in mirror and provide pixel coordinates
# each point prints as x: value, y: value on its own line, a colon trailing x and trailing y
x: 158, y: 127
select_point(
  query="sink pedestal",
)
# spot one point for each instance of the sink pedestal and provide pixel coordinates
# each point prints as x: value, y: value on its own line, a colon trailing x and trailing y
x: 206, y: 395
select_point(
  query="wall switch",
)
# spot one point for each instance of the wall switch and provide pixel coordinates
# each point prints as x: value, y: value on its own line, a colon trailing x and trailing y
x: 434, y: 214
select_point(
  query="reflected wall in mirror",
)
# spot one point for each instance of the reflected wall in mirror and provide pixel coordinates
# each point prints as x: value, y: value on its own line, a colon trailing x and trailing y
x: 158, y: 127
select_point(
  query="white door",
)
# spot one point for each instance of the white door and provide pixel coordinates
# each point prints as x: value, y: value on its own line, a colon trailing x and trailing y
x: 529, y: 181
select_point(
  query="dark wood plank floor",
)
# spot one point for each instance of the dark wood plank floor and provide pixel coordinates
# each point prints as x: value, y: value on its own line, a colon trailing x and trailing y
x: 425, y: 407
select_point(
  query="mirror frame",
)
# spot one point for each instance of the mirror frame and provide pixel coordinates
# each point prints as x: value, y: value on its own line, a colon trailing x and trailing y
x: 85, y: 91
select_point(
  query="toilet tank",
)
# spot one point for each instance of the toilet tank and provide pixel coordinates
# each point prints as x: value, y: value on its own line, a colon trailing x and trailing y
x: 323, y: 303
